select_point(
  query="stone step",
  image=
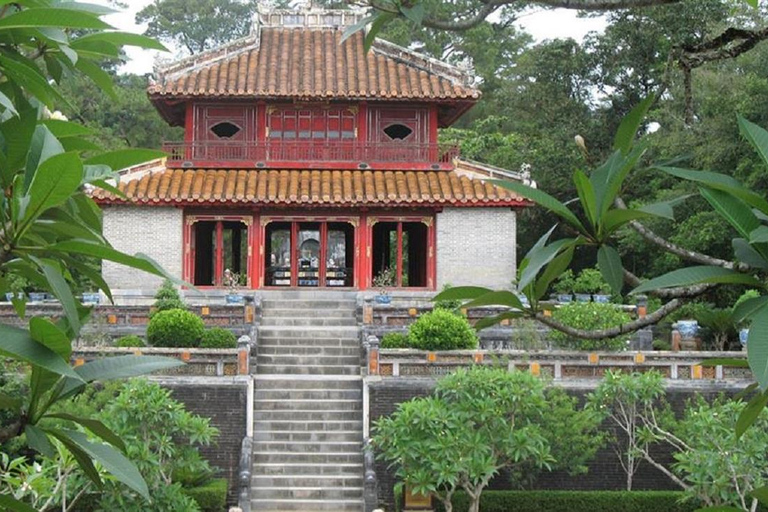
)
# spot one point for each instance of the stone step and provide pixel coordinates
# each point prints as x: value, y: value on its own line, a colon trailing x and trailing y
x: 308, y: 313
x: 271, y: 321
x: 308, y: 382
x: 307, y: 469
x: 308, y: 480
x: 309, y: 303
x: 260, y: 404
x: 299, y: 369
x: 306, y: 493
x: 300, y: 350
x: 308, y: 394
x: 339, y: 436
x: 312, y: 415
x: 287, y: 341
x: 306, y: 447
x: 297, y: 505
x: 308, y: 459
x: 339, y: 332
x: 300, y: 426
x: 307, y: 360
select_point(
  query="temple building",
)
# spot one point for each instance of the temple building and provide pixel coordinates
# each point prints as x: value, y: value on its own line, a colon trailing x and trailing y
x: 308, y: 162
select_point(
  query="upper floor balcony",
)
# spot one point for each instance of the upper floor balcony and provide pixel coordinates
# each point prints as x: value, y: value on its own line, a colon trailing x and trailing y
x: 311, y: 154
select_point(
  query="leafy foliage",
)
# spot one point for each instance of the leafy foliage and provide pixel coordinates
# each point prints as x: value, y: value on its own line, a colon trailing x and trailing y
x: 590, y: 316
x: 130, y: 342
x: 218, y: 337
x: 441, y: 330
x: 395, y: 340
x: 175, y: 328
x: 210, y: 497
x: 167, y: 297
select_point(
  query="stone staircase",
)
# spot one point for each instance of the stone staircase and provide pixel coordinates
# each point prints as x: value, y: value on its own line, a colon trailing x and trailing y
x: 308, y: 418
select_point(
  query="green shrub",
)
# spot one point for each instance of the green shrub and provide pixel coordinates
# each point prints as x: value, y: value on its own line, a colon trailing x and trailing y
x: 395, y: 340
x: 130, y: 341
x: 661, y: 345
x: 217, y: 337
x: 211, y: 497
x: 450, y: 305
x: 590, y: 280
x: 175, y: 328
x: 590, y: 316
x: 442, y: 330
x: 575, y: 501
x: 167, y: 297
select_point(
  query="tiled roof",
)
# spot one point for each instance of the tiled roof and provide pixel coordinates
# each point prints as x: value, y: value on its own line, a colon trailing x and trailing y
x: 310, y: 188
x: 311, y: 63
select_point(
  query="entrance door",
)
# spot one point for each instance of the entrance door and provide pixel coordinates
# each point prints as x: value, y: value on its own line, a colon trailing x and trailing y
x: 309, y: 254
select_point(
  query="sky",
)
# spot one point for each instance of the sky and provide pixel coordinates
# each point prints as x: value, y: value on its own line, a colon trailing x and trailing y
x: 549, y: 24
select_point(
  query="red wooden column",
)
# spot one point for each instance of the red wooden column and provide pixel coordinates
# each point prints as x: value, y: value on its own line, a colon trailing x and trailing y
x: 219, y: 264
x: 188, y: 258
x: 431, y: 253
x: 189, y: 129
x: 399, y: 279
x: 362, y: 248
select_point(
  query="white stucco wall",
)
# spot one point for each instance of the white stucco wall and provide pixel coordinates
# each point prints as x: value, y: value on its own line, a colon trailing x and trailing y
x: 476, y: 246
x: 155, y: 231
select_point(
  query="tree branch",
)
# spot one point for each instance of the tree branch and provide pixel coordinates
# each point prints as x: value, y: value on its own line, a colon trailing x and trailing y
x: 681, y: 292
x: 629, y: 327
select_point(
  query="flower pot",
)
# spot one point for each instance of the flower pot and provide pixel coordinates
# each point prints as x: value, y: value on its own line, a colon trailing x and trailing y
x: 91, y: 298
x: 37, y: 296
x: 383, y: 299
x: 601, y: 298
x: 743, y: 335
x: 233, y: 298
x: 9, y: 296
x: 583, y: 297
x: 564, y: 297
x: 688, y: 329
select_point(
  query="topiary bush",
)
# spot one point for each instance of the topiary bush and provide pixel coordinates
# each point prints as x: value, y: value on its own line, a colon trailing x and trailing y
x: 167, y: 297
x: 130, y: 341
x: 442, y: 330
x: 590, y: 316
x: 210, y: 497
x: 395, y: 340
x: 175, y: 328
x: 217, y: 337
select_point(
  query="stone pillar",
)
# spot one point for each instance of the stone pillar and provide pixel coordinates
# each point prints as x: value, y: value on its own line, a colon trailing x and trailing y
x: 243, y: 355
x: 370, y: 491
x: 372, y: 354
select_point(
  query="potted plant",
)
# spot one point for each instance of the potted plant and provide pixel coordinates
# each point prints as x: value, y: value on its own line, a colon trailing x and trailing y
x: 563, y: 287
x: 232, y: 280
x: 590, y: 281
x: 91, y: 298
x: 383, y: 281
x: 16, y: 285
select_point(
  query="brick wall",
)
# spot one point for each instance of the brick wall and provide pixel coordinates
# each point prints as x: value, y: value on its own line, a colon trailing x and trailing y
x: 154, y: 231
x: 223, y: 400
x: 476, y: 246
x: 605, y: 472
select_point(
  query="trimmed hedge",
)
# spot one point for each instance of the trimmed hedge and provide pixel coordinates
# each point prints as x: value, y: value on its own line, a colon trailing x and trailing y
x: 211, y: 497
x: 395, y: 340
x: 176, y: 328
x: 218, y: 337
x: 570, y: 501
x: 130, y: 341
x: 441, y: 330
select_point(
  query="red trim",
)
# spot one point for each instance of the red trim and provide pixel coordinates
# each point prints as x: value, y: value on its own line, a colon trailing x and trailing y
x: 399, y: 255
x: 309, y: 165
x: 386, y: 206
x: 362, y: 122
x: 261, y: 122
x: 189, y: 119
x: 219, y: 266
x: 433, y: 124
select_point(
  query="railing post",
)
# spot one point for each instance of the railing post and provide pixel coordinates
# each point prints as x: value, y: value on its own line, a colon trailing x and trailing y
x: 372, y: 354
x: 243, y: 355
x: 244, y: 475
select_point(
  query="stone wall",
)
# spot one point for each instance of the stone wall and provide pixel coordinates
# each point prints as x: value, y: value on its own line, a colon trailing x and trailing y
x: 223, y: 400
x: 476, y: 246
x: 154, y: 231
x: 605, y: 472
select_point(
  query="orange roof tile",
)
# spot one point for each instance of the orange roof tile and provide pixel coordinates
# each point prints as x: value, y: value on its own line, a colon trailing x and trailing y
x: 310, y: 188
x: 313, y: 63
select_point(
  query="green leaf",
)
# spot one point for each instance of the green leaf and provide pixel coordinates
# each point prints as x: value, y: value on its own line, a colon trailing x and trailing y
x: 121, y: 39
x: 31, y: 80
x: 8, y: 502
x: 554, y: 270
x: 17, y: 343
x: 119, y: 367
x: 46, y: 332
x: 758, y: 235
x: 17, y: 132
x: 81, y: 456
x: 378, y: 24
x: 745, y: 253
x: 542, y: 199
x: 7, y: 104
x: 38, y: 440
x: 100, y: 77
x: 702, y: 274
x: 664, y: 209
x: 461, y: 293
x: 630, y: 124
x: 51, y: 17
x: 757, y: 347
x: 745, y: 392
x: 9, y: 403
x: 496, y: 298
x: 748, y: 308
x: 540, y: 258
x: 62, y: 291
x: 123, y: 158
x: 44, y: 146
x: 732, y: 209
x: 720, y: 182
x: 586, y: 195
x: 609, y: 261
x: 357, y: 27
x: 415, y: 13
x: 616, y: 219
x: 756, y: 136
x: 61, y: 129
x: 95, y: 426
x: 760, y: 494
x: 751, y: 412
x: 489, y: 321
x: 112, y: 460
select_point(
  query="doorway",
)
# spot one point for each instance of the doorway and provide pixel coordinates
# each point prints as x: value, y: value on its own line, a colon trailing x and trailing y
x: 400, y: 251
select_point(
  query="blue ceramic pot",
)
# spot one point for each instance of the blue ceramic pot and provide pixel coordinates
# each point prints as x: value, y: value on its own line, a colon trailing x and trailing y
x: 565, y: 298
x: 235, y: 299
x: 601, y: 298
x: 688, y: 328
x: 743, y: 335
x: 91, y: 298
x: 583, y: 297
x: 37, y: 296
x: 383, y: 299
